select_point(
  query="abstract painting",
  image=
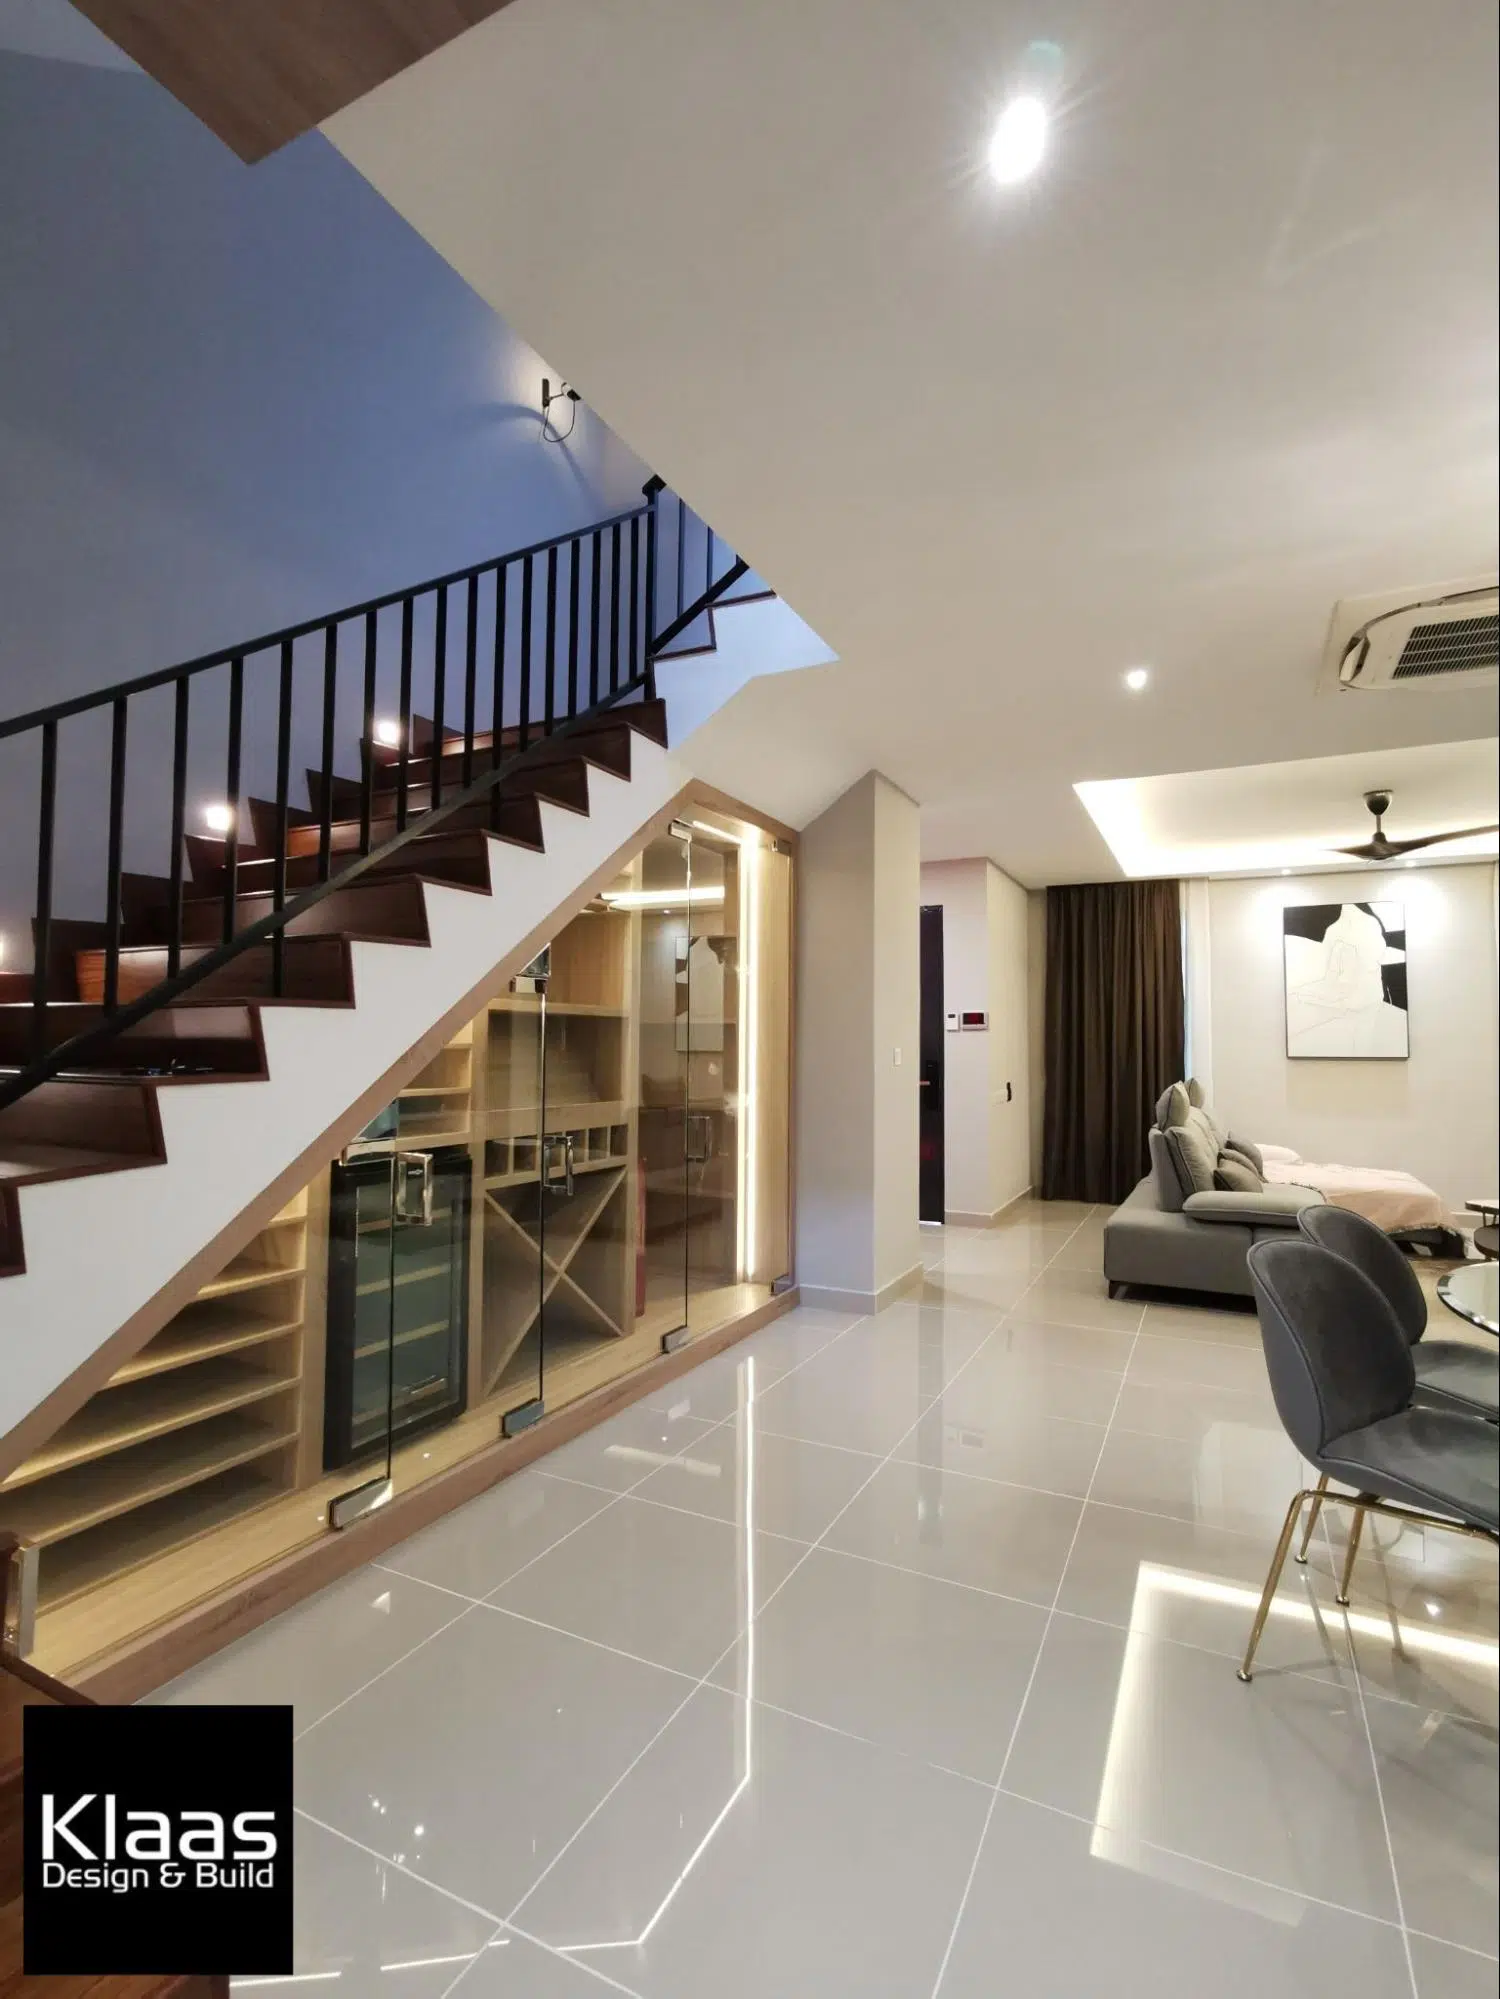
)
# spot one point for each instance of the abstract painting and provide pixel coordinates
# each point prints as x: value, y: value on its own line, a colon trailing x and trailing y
x: 1346, y: 981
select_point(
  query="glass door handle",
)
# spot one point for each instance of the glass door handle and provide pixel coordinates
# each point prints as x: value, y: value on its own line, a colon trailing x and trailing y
x: 700, y: 1139
x: 554, y: 1144
x: 413, y: 1171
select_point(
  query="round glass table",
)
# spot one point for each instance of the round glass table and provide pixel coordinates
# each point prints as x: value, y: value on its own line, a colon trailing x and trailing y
x: 1473, y: 1291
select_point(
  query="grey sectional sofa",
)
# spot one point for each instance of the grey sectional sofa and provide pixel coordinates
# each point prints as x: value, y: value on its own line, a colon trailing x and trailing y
x: 1185, y: 1227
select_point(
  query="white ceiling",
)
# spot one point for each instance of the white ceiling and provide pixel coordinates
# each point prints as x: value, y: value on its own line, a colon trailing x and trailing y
x: 1230, y: 357
x: 1255, y: 817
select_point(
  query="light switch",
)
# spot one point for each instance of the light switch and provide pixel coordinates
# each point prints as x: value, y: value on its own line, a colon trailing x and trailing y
x: 895, y: 1058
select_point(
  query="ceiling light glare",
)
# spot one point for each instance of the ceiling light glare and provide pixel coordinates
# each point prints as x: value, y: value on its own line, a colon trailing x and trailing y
x: 1019, y: 142
x: 218, y: 818
x: 1137, y: 678
x: 387, y: 732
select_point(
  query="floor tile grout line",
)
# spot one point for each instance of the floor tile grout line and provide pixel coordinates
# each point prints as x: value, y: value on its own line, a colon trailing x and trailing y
x: 758, y: 1612
x: 462, y: 1973
x: 577, y: 1963
x: 364, y: 1686
x: 1209, y: 1866
x: 984, y: 1831
x: 471, y: 1605
x: 1364, y: 1716
x: 1469, y: 1949
x: 386, y: 1860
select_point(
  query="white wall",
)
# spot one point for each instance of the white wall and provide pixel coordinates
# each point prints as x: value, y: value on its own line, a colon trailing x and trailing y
x: 1433, y: 1115
x: 857, y: 1003
x: 1010, y: 1063
x: 986, y: 960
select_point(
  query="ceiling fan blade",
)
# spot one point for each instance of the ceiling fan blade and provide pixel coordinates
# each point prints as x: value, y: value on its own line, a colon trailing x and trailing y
x: 1394, y: 847
x: 1372, y: 850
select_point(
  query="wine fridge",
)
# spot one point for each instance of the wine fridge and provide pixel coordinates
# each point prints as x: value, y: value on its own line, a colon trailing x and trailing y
x: 397, y: 1295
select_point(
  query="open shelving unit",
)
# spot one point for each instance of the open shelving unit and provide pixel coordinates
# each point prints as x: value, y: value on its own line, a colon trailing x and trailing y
x: 198, y: 1427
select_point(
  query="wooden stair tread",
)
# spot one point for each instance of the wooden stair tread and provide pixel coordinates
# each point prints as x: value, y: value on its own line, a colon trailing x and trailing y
x: 63, y: 1162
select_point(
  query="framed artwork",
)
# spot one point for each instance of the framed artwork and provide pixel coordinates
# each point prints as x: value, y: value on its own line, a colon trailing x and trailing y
x: 1345, y: 968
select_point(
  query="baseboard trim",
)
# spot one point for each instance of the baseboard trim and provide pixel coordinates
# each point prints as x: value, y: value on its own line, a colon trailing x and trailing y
x: 148, y: 1661
x: 830, y: 1299
x: 960, y: 1218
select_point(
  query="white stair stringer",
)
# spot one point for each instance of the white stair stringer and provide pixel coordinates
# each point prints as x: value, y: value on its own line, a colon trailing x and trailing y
x: 100, y: 1248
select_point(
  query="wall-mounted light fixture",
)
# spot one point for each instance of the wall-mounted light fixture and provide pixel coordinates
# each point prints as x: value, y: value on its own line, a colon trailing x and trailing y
x: 570, y: 399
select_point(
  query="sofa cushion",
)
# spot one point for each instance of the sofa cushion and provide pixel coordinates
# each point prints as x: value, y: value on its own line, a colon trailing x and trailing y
x: 1173, y: 1107
x: 1236, y: 1176
x: 1195, y: 1156
x: 1274, y: 1207
x: 1247, y: 1151
x: 1164, y: 1182
x: 1196, y: 1096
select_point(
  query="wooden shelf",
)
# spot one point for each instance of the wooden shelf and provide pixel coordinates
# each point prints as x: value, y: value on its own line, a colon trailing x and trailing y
x: 70, y: 1502
x: 529, y: 1179
x: 214, y: 1326
x: 245, y: 1275
x: 579, y: 1009
x: 117, y: 1547
x: 117, y: 1418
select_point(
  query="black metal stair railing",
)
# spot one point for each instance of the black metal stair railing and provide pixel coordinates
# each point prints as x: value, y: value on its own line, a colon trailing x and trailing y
x: 471, y: 668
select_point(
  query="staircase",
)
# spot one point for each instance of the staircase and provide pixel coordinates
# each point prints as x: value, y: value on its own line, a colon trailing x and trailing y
x: 230, y: 1021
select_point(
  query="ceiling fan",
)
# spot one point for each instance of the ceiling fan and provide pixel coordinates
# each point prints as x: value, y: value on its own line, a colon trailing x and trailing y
x: 1382, y: 849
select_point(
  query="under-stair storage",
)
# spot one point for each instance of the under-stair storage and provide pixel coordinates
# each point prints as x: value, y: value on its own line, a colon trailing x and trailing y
x: 593, y: 1165
x: 200, y: 1426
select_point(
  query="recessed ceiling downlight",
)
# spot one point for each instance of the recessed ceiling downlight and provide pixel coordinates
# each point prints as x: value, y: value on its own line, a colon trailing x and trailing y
x: 1137, y: 678
x: 1019, y: 141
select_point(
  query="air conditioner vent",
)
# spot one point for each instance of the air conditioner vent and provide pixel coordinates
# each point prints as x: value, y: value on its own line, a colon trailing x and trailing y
x: 1418, y: 643
x: 1463, y: 645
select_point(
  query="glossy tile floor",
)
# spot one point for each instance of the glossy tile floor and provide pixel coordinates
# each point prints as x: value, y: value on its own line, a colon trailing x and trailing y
x: 893, y: 1658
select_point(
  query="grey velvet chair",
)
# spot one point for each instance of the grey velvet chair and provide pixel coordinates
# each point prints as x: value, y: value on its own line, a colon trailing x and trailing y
x: 1450, y: 1373
x: 1343, y: 1379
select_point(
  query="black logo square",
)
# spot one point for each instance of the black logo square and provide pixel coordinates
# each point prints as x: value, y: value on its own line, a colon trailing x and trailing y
x: 158, y: 1839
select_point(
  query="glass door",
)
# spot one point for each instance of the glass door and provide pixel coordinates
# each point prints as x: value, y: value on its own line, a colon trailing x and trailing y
x: 711, y: 1036
x: 660, y: 886
x: 519, y: 1159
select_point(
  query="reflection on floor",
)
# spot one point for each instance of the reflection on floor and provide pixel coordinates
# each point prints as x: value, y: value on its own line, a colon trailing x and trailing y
x: 894, y: 1659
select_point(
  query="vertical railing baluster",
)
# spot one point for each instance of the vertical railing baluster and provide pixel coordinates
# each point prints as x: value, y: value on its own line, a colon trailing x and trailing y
x: 575, y: 554
x: 497, y: 691
x: 524, y: 733
x: 283, y: 793
x: 614, y: 607
x: 232, y: 791
x: 549, y: 704
x: 594, y: 579
x: 367, y: 733
x: 439, y: 692
x: 403, y: 752
x: 119, y: 719
x: 41, y: 929
x: 471, y: 640
x: 330, y: 717
x: 179, y: 826
x: 650, y: 611
x: 634, y: 653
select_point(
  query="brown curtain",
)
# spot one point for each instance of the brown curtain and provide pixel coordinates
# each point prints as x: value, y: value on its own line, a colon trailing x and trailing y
x: 1114, y: 1032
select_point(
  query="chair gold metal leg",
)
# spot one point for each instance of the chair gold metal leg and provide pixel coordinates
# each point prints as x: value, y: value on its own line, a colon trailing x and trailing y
x: 1278, y: 1563
x: 1356, y: 1528
x: 1312, y: 1517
